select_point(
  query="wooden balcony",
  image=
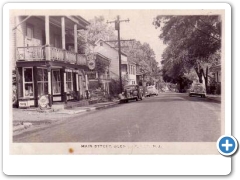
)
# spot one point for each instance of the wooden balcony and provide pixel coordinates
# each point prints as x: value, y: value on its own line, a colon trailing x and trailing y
x: 43, y: 53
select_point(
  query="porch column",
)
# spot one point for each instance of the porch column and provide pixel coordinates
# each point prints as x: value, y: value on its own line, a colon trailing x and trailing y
x: 47, y: 31
x: 64, y: 87
x: 49, y: 87
x: 77, y: 87
x: 75, y: 39
x: 35, y: 86
x: 87, y: 92
x: 63, y: 32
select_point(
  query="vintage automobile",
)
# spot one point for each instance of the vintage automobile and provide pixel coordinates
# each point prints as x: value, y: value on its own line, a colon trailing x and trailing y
x: 198, y: 89
x: 131, y: 92
x: 151, y: 90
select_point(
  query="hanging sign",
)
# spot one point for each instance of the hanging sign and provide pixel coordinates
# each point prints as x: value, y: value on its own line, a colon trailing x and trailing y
x: 43, y: 101
x: 91, y: 61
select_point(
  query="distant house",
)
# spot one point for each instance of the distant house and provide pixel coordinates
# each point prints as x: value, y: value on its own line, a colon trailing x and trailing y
x: 108, y: 51
x: 216, y: 72
x: 47, y: 61
x: 215, y: 86
x: 132, y: 73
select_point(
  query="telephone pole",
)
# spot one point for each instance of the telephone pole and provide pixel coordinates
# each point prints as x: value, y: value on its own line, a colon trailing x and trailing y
x: 117, y: 27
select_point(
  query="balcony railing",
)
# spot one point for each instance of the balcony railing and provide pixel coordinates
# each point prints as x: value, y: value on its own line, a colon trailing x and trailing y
x: 56, y: 54
x: 71, y: 57
x: 33, y: 53
x: 81, y: 59
x: 38, y: 53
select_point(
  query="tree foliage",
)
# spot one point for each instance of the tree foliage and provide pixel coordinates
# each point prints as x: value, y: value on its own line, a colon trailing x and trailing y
x: 192, y: 43
x: 97, y: 29
x: 143, y: 55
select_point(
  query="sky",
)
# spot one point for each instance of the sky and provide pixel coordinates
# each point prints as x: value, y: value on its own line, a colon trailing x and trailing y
x: 139, y: 27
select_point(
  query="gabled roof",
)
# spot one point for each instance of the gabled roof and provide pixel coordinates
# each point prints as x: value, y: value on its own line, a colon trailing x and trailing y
x: 109, y: 46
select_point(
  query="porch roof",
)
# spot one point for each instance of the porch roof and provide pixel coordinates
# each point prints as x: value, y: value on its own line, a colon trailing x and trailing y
x: 70, y: 21
x: 100, y: 56
x: 49, y: 63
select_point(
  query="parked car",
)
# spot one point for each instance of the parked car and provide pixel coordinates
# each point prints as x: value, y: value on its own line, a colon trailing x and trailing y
x: 131, y: 92
x: 198, y: 89
x: 151, y: 90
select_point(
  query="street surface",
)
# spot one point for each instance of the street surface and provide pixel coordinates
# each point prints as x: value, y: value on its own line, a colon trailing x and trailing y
x: 169, y: 117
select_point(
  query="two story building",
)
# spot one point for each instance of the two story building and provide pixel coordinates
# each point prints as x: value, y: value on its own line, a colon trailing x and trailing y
x: 128, y: 68
x: 47, y: 61
x: 108, y: 51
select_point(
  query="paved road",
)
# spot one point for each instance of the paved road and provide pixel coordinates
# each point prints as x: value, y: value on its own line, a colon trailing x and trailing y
x: 169, y: 117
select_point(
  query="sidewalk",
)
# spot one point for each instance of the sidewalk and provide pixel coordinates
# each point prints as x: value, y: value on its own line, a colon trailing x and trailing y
x: 214, y: 97
x: 33, y: 115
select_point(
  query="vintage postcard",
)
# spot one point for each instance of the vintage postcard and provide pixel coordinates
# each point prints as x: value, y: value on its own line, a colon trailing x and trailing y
x: 127, y: 81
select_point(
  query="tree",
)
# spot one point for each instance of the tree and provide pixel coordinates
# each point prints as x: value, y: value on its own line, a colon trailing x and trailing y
x: 97, y: 29
x: 143, y: 55
x: 192, y: 41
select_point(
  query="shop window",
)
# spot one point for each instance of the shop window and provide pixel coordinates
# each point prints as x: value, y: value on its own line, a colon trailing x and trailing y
x: 56, y: 82
x: 69, y: 82
x: 28, y: 82
x: 42, y: 81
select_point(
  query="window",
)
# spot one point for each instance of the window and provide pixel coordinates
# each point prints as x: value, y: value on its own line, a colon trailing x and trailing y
x: 27, y: 82
x: 69, y: 81
x: 56, y: 82
x: 101, y: 43
x: 29, y: 31
x: 42, y: 81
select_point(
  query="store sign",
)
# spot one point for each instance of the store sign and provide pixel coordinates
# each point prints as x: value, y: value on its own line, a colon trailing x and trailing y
x: 76, y: 71
x: 68, y: 70
x: 23, y: 104
x: 43, y: 101
x: 91, y: 61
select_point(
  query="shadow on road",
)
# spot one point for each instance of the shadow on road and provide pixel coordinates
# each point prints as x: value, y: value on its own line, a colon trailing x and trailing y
x: 175, y: 97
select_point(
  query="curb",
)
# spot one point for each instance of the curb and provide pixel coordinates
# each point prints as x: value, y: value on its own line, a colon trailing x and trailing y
x: 88, y: 109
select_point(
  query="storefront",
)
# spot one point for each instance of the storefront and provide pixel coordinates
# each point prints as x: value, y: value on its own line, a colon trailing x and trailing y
x: 58, y: 83
x: 49, y: 67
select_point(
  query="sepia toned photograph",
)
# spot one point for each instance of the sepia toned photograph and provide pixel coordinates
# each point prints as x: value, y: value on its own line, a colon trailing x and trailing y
x: 116, y: 81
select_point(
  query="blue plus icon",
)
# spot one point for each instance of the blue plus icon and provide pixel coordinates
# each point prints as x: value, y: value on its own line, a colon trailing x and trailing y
x: 227, y: 145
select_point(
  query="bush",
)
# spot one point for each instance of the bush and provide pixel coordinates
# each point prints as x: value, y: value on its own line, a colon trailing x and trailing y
x: 93, y: 85
x: 114, y: 89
